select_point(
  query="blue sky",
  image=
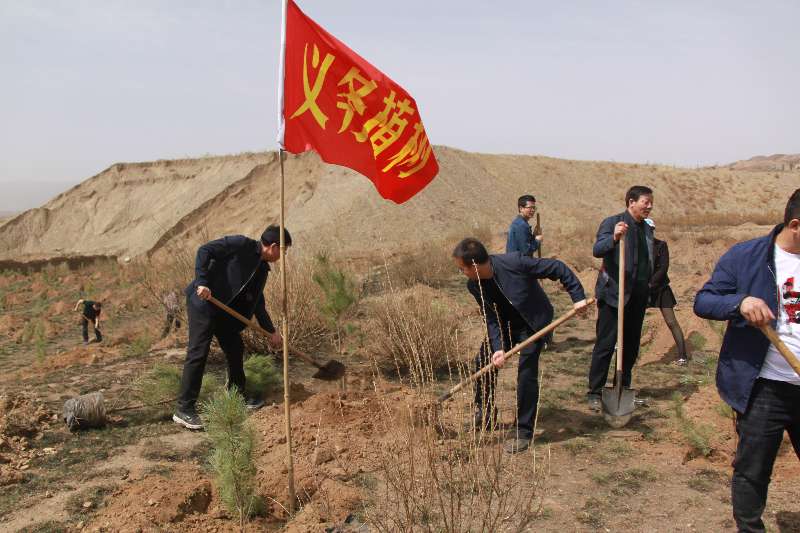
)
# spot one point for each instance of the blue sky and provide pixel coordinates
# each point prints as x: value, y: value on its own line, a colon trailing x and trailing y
x: 90, y: 83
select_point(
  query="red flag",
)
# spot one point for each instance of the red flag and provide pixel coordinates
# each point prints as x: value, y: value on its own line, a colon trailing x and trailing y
x: 351, y: 113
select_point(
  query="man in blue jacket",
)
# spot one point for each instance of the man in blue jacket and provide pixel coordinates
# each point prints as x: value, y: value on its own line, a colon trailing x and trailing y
x: 514, y: 306
x: 234, y: 270
x: 638, y: 268
x: 752, y: 284
x: 520, y: 237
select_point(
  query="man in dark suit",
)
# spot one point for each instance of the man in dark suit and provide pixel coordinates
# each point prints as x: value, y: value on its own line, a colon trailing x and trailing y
x: 638, y: 269
x: 234, y: 270
x: 514, y: 305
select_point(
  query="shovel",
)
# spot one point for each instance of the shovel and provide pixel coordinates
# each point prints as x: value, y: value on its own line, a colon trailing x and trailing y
x: 617, y: 401
x: 516, y: 349
x: 785, y: 351
x: 330, y: 371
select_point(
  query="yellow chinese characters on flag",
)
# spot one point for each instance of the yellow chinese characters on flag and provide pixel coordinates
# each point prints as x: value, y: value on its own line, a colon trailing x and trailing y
x: 336, y: 103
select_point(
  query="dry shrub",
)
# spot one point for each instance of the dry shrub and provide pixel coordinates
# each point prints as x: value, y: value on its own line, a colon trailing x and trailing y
x: 453, y: 485
x: 573, y: 245
x: 172, y: 272
x: 416, y: 333
x: 430, y: 264
x: 442, y: 475
x: 308, y: 328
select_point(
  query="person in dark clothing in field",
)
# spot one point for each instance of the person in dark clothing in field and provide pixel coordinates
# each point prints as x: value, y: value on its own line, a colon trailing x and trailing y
x: 234, y: 270
x: 90, y: 312
x: 506, y: 287
x: 520, y: 237
x: 638, y: 269
x: 755, y: 284
x: 661, y: 296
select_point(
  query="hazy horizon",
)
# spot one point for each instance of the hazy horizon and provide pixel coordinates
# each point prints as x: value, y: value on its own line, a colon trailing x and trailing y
x: 691, y: 84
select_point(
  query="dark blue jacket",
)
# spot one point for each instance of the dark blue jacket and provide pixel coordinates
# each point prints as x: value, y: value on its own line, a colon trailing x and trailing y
x: 520, y: 238
x: 747, y: 269
x: 607, y: 288
x: 232, y: 268
x: 517, y: 276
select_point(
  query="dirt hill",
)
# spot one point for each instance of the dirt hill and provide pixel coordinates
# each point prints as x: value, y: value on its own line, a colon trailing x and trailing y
x: 131, y: 209
x: 767, y: 163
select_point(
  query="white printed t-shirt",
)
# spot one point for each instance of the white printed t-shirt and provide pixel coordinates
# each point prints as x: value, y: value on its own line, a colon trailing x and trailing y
x: 775, y: 367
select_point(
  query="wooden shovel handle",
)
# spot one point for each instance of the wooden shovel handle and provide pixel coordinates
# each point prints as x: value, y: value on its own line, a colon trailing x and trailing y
x: 249, y: 323
x: 785, y: 351
x: 621, y: 303
x: 538, y: 231
x: 516, y: 349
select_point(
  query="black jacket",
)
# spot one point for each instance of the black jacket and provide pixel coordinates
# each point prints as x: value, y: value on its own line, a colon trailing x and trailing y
x: 232, y: 268
x: 607, y: 288
x: 517, y: 276
x: 659, y: 280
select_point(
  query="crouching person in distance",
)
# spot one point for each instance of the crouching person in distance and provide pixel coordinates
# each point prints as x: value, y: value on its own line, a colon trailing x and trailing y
x: 90, y: 312
x: 234, y: 270
x: 757, y: 283
x: 506, y: 287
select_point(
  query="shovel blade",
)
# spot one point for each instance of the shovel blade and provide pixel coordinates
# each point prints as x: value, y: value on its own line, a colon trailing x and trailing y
x: 618, y: 404
x: 330, y: 371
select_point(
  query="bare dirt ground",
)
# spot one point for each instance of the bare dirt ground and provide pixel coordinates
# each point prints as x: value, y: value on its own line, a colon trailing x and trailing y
x: 667, y: 470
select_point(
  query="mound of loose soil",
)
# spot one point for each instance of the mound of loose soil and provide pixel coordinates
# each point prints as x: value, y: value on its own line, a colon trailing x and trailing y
x: 182, y: 500
x: 22, y: 418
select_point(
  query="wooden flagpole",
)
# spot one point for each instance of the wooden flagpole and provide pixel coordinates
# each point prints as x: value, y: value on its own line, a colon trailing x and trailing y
x: 284, y: 305
x: 285, y: 334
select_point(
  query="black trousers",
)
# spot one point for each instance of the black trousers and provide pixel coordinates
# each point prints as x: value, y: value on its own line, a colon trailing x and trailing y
x: 85, y: 331
x: 202, y: 327
x: 606, y: 330
x: 774, y: 407
x: 527, y: 380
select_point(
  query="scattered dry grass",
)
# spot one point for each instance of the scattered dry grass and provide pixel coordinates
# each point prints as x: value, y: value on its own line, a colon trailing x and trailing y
x: 416, y: 335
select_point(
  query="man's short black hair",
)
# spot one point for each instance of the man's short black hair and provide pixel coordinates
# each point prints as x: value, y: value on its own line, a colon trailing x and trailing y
x: 524, y: 199
x: 635, y: 192
x: 471, y: 251
x: 272, y: 235
x: 792, y: 208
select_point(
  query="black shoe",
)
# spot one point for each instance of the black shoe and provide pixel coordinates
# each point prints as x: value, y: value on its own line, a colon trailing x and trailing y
x: 187, y: 420
x: 520, y: 444
x: 594, y: 404
x: 254, y: 404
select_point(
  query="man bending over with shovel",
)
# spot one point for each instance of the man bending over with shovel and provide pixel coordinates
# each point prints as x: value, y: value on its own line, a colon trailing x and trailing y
x: 90, y: 312
x: 506, y: 287
x: 755, y: 286
x: 232, y: 269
